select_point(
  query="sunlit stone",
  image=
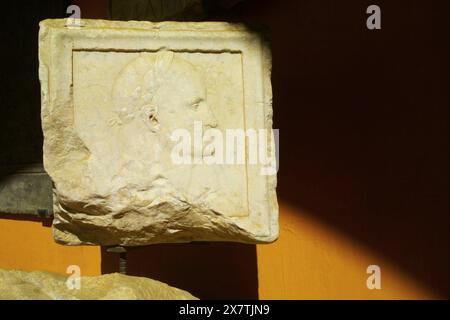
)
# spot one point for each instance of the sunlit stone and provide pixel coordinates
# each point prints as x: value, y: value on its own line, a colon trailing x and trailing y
x: 114, y: 97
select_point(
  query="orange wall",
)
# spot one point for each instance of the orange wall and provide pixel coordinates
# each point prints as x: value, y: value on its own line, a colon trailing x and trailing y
x: 309, y: 261
x: 28, y: 245
x: 314, y: 261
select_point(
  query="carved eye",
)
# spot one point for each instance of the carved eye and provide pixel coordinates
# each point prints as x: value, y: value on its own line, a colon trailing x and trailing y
x: 196, y: 104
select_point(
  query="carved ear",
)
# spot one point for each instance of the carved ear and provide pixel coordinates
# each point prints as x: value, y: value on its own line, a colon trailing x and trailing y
x: 150, y: 115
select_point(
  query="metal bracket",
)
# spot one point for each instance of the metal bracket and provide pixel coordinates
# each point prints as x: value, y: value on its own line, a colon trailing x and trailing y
x: 122, y: 257
x: 26, y: 189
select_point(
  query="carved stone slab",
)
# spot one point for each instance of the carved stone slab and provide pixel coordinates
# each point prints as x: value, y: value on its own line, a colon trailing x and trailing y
x: 119, y: 102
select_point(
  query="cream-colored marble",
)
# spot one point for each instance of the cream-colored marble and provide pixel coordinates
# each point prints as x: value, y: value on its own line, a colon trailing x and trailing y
x: 114, y: 93
x: 38, y: 285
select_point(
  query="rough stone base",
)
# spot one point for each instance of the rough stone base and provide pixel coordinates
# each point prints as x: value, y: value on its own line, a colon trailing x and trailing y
x: 37, y: 285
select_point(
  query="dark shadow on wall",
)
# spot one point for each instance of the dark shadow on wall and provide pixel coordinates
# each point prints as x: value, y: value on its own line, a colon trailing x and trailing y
x: 20, y: 122
x: 46, y: 222
x: 207, y: 270
x: 363, y: 119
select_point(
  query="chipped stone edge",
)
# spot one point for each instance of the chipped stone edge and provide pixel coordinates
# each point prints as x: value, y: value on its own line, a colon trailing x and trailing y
x: 46, y: 27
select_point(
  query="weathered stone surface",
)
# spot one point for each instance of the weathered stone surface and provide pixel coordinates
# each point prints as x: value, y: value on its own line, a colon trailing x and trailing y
x: 37, y: 285
x: 114, y: 93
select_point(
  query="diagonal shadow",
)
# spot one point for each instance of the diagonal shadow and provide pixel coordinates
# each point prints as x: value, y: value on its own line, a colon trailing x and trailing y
x: 363, y: 119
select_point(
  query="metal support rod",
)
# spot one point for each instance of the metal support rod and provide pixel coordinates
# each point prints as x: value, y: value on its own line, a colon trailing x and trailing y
x: 123, y: 262
x: 122, y: 257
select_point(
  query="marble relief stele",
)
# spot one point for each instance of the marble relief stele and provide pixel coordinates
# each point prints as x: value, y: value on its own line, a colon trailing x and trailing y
x: 118, y: 98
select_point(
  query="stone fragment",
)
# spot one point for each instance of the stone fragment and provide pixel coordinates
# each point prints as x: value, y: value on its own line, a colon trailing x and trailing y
x: 38, y: 285
x: 142, y: 126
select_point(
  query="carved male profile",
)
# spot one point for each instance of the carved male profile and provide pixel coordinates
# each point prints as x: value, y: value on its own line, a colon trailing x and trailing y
x: 116, y: 99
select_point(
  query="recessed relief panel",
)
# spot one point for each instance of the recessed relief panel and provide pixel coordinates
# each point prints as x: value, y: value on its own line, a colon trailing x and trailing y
x: 129, y: 108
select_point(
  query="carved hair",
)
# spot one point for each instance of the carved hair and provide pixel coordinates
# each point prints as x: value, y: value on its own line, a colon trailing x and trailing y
x: 136, y: 87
